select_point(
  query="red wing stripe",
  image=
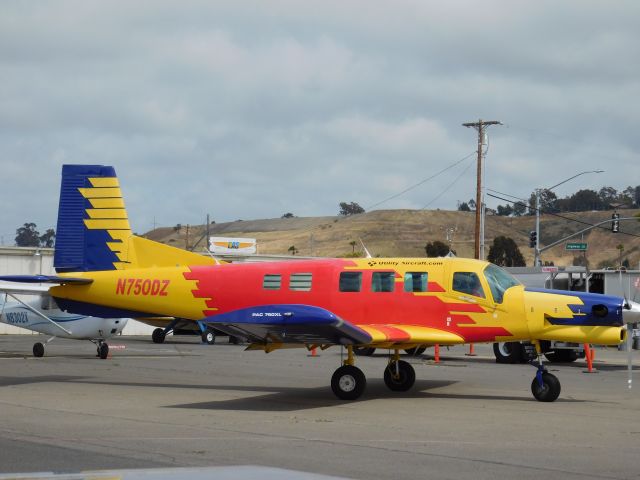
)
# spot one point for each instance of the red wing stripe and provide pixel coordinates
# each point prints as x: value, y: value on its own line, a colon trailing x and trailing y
x: 393, y: 334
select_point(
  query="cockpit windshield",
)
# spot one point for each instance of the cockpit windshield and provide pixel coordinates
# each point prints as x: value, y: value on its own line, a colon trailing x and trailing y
x: 499, y: 281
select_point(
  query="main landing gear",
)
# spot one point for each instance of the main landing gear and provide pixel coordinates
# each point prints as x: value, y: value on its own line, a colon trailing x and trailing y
x: 348, y: 382
x: 545, y: 387
x: 102, y: 348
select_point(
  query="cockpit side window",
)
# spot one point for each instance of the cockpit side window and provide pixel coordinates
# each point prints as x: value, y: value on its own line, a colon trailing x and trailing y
x: 499, y: 281
x: 469, y: 283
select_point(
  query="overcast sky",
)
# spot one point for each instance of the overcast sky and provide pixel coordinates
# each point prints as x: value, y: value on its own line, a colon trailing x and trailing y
x: 246, y: 110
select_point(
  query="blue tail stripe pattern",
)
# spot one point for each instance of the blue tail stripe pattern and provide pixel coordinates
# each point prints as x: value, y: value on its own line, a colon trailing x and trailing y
x: 77, y: 247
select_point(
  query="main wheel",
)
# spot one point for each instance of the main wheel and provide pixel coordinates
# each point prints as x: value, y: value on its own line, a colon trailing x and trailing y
x: 549, y: 390
x: 348, y: 382
x: 364, y: 351
x: 208, y: 337
x: 158, y: 335
x: 103, y: 350
x: 508, y: 352
x: 415, y: 351
x: 400, y: 379
x: 38, y: 350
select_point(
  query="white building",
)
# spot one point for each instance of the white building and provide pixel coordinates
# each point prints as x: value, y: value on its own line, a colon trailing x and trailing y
x: 39, y: 261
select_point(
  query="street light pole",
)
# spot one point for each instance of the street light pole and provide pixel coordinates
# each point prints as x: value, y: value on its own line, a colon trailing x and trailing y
x: 536, y: 247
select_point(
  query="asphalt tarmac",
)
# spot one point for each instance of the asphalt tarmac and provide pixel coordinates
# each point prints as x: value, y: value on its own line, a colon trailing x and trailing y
x: 184, y: 404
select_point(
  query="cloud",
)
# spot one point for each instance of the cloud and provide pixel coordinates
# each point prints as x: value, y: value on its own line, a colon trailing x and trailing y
x: 253, y: 109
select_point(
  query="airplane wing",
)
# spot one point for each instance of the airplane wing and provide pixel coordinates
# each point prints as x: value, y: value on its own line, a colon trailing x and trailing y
x: 45, y: 279
x: 306, y: 324
x: 293, y: 324
x: 23, y: 289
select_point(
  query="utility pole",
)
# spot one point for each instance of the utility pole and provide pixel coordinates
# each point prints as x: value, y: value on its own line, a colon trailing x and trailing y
x: 480, y: 126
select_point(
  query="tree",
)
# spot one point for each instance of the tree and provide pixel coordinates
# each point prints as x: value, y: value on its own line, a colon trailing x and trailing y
x: 436, y: 249
x: 288, y: 215
x: 352, y: 208
x: 505, y: 211
x: 519, y: 209
x: 353, y: 244
x: 548, y: 202
x: 48, y: 239
x: 608, y: 195
x: 464, y: 207
x: 505, y: 253
x: 582, y: 201
x: 293, y: 249
x: 28, y: 236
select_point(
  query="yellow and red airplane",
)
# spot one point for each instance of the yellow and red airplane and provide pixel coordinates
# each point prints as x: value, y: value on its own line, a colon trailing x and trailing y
x: 392, y: 303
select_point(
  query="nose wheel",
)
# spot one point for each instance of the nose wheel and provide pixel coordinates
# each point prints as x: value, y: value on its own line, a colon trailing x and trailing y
x: 545, y: 387
x: 38, y: 350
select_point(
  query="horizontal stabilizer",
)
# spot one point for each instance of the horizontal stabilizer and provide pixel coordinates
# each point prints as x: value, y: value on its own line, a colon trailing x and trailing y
x: 45, y: 279
x: 301, y: 324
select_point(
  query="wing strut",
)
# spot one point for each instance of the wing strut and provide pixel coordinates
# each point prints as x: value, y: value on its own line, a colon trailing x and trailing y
x: 40, y: 314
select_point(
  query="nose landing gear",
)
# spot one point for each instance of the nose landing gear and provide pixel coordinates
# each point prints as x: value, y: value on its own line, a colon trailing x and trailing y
x: 545, y: 387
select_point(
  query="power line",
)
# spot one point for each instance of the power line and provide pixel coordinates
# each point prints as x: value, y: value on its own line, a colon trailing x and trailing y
x: 420, y: 182
x: 446, y: 189
x: 562, y: 216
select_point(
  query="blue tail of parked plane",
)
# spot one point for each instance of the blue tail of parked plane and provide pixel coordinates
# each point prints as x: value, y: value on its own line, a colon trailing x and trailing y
x: 93, y: 228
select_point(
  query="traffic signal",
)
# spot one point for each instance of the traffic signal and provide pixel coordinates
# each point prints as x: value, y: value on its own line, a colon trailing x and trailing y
x: 533, y: 239
x: 615, y: 223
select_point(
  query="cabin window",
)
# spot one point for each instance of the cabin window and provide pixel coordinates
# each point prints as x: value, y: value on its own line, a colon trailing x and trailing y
x: 272, y: 281
x: 350, y: 281
x: 468, y: 282
x: 300, y: 282
x: 415, y: 281
x: 383, y: 281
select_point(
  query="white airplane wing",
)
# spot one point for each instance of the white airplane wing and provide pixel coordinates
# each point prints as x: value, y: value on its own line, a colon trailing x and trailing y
x: 23, y: 289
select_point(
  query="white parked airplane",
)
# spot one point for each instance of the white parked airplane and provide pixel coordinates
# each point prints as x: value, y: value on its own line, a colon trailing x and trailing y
x: 41, y: 314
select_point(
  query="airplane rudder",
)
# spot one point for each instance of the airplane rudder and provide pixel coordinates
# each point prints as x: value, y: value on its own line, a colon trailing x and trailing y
x: 92, y: 220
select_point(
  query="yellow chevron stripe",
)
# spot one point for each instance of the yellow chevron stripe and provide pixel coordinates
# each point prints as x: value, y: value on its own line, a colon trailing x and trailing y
x: 107, y: 224
x: 100, y: 192
x: 107, y: 213
x: 106, y: 202
x: 120, y: 235
x: 102, y: 182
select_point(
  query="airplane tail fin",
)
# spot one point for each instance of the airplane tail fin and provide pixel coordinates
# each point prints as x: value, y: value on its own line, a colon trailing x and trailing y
x: 93, y: 232
x: 93, y: 227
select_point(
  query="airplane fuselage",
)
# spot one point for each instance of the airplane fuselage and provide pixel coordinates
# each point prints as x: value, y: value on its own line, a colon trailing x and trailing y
x: 81, y: 327
x: 394, y: 300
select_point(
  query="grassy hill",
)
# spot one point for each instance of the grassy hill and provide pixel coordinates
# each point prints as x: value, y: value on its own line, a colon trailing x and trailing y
x: 406, y: 232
